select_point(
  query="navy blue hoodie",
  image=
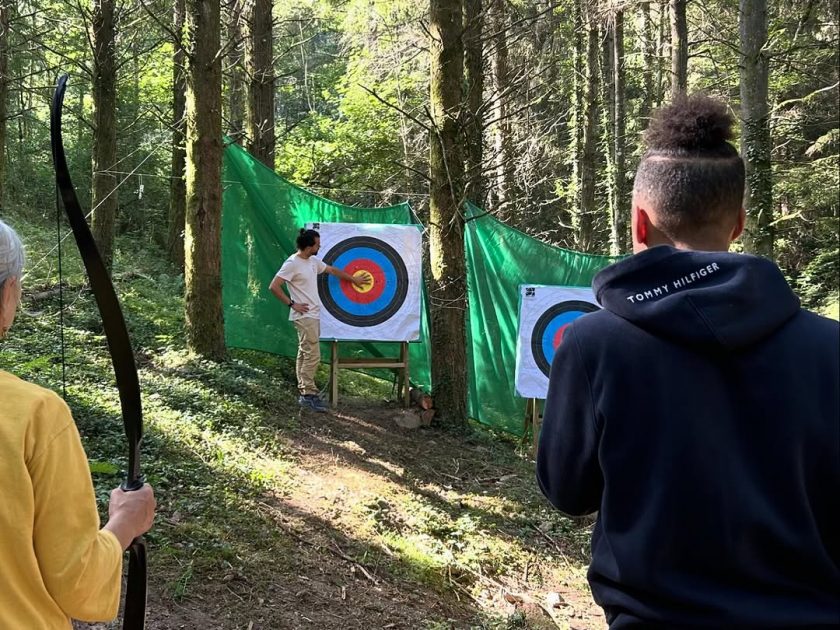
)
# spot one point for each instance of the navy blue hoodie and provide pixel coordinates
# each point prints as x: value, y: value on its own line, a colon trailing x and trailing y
x: 699, y: 414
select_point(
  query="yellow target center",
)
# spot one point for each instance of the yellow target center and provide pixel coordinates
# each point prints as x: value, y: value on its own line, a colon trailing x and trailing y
x: 368, y: 277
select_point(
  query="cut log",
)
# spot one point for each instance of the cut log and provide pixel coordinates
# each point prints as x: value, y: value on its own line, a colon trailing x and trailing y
x: 426, y: 417
x: 420, y: 398
x: 408, y: 419
x: 414, y: 418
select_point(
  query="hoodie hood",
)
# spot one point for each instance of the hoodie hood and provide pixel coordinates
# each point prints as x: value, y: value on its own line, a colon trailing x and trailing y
x: 716, y: 299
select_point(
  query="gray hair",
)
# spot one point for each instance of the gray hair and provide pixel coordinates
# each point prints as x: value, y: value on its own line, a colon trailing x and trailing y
x: 11, y: 254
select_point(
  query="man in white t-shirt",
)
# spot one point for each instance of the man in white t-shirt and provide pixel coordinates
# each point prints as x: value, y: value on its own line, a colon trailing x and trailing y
x: 300, y: 274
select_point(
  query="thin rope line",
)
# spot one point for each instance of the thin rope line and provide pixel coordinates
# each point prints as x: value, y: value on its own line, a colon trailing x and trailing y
x: 236, y: 181
x: 87, y: 216
x: 123, y: 159
x: 374, y: 192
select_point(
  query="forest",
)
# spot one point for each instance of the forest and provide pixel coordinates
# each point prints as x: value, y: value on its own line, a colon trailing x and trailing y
x: 532, y: 111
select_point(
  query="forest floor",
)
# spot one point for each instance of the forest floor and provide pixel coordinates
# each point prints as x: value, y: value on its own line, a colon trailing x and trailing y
x: 373, y: 526
x: 270, y: 517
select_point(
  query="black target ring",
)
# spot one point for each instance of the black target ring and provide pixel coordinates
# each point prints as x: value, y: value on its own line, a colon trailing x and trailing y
x: 395, y: 274
x: 549, y: 319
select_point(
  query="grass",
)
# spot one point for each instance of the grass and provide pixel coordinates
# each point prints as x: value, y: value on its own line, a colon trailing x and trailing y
x: 278, y: 518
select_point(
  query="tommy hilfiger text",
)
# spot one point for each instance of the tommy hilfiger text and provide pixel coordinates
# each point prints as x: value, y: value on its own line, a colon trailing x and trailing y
x: 679, y: 283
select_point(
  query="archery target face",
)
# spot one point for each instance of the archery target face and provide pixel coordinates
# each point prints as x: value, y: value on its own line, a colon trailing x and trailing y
x: 387, y: 308
x: 544, y: 314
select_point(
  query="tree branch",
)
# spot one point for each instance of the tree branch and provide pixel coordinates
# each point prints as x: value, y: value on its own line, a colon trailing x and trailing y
x: 395, y: 107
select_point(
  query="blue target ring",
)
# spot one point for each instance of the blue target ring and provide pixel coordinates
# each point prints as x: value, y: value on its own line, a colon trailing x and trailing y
x: 391, y: 282
x: 550, y: 326
x: 357, y: 308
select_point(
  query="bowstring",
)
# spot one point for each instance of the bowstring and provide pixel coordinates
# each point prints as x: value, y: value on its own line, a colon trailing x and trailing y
x: 58, y: 247
x: 60, y: 295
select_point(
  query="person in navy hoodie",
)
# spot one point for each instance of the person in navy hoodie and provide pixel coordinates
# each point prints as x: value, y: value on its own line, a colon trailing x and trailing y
x: 699, y: 411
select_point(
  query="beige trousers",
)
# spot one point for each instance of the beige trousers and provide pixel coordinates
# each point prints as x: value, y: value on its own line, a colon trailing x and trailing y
x: 309, y: 353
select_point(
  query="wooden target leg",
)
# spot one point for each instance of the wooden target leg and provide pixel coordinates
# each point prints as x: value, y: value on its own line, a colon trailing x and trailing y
x: 526, y: 420
x: 406, y: 373
x: 334, y: 373
x: 399, y: 373
x: 535, y: 422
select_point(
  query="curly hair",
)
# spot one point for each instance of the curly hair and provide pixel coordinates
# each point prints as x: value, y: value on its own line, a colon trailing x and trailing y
x: 692, y: 124
x: 306, y: 238
x: 691, y: 173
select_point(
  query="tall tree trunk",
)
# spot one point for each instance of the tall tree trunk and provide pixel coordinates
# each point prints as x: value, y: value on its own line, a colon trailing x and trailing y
x: 755, y: 127
x: 474, y: 78
x: 178, y: 186
x: 663, y: 48
x: 134, y: 137
x: 21, y: 120
x: 589, y: 162
x: 5, y: 18
x: 103, y: 192
x: 679, y: 47
x: 446, y: 165
x: 236, y: 71
x: 586, y: 93
x: 502, y: 132
x: 579, y: 74
x: 618, y: 240
x: 81, y: 128
x: 649, y: 61
x: 608, y: 123
x: 259, y: 53
x: 205, y: 331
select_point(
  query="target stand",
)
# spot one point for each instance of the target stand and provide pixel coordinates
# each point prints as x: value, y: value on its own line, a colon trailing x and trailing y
x: 545, y: 313
x: 386, y: 308
x: 532, y: 420
x: 398, y: 364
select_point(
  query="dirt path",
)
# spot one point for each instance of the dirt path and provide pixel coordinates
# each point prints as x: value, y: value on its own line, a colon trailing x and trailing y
x: 382, y: 527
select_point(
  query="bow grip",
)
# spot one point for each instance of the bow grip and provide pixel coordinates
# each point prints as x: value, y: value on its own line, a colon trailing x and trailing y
x: 131, y: 486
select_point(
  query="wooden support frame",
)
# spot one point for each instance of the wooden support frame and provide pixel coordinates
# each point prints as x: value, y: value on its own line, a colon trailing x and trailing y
x: 532, y: 420
x: 400, y: 364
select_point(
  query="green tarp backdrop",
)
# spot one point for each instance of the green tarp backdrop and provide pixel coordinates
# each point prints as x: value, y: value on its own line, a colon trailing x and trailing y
x: 261, y: 216
x: 262, y: 213
x: 499, y: 260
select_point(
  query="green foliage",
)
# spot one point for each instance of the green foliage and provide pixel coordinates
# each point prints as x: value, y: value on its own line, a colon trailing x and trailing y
x: 803, y: 46
x: 832, y: 309
x: 103, y: 468
x: 817, y: 285
x: 339, y: 137
x: 348, y: 144
x: 48, y: 38
x: 223, y: 439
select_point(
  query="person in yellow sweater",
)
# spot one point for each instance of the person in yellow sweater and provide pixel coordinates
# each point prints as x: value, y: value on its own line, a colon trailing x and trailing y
x: 56, y: 563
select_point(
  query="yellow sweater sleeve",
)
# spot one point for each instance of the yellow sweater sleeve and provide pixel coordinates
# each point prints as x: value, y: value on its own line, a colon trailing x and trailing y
x: 80, y: 564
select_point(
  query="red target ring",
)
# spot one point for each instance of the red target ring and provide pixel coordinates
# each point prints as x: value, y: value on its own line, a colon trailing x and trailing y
x: 558, y: 336
x: 364, y: 297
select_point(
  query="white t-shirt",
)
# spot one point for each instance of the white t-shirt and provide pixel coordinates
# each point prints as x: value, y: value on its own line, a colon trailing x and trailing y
x: 301, y: 274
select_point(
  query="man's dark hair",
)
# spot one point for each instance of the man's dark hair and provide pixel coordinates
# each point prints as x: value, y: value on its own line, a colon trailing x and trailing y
x: 691, y: 174
x: 306, y: 238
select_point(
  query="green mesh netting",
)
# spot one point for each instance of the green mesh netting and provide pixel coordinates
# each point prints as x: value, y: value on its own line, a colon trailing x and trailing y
x: 499, y: 260
x: 262, y: 213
